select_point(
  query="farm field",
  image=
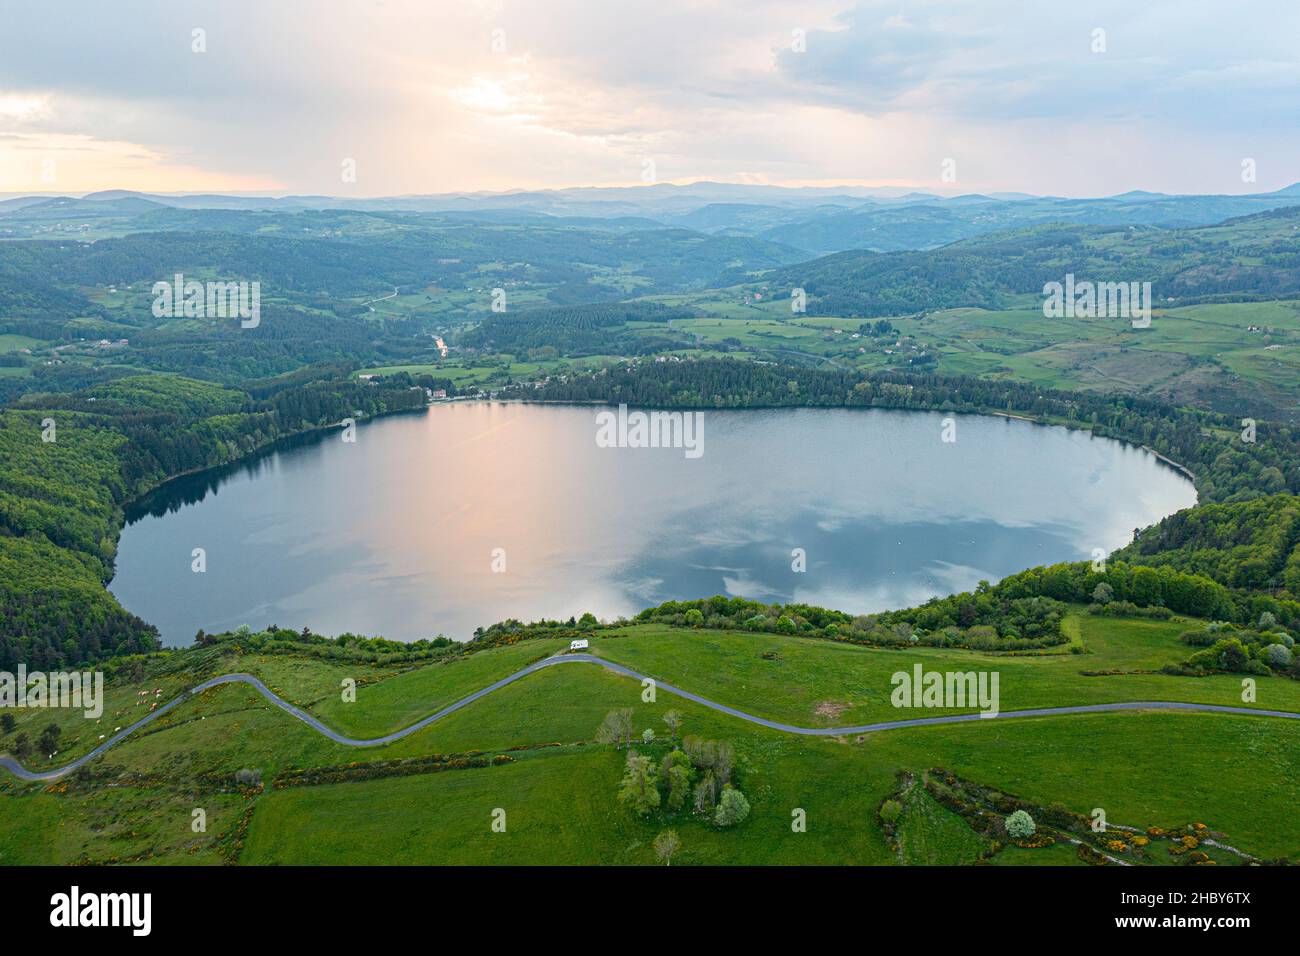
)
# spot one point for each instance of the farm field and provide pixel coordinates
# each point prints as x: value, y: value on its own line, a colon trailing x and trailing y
x: 1219, y: 356
x: 487, y: 373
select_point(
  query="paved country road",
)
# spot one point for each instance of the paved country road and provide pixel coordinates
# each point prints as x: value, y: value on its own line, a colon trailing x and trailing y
x: 17, y: 769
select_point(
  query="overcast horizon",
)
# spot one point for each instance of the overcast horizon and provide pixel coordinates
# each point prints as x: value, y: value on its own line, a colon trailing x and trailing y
x: 386, y: 98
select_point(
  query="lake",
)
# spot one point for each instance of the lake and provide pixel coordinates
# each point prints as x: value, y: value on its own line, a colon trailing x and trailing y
x: 471, y: 513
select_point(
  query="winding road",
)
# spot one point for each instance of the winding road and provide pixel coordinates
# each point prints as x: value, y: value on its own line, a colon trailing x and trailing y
x: 19, y: 771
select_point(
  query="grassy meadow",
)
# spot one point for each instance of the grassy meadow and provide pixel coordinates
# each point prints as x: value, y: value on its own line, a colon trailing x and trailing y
x: 135, y: 803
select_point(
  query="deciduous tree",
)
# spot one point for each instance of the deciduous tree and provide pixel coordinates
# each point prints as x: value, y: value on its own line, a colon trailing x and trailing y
x: 732, y: 807
x: 666, y: 844
x: 616, y: 728
x: 639, y: 789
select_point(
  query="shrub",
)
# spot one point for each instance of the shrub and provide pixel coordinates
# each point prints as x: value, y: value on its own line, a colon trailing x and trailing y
x: 732, y: 807
x: 1020, y: 825
x: 694, y: 617
x: 1198, y: 638
x: 248, y: 778
x: 890, y: 811
x: 1279, y: 655
x: 50, y: 738
x: 1267, y: 620
x: 1129, y: 609
x: 785, y: 624
x: 1227, y: 654
x: 1103, y: 593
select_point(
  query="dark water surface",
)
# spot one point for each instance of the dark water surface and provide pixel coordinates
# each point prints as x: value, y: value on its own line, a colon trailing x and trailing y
x: 395, y: 534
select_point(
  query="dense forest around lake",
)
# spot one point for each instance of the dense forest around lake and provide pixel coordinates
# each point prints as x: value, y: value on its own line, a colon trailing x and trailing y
x: 579, y: 330
x: 70, y: 463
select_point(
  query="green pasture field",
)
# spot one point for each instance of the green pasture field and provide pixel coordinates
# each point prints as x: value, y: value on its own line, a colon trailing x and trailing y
x: 10, y: 342
x: 818, y: 683
x: 1237, y: 774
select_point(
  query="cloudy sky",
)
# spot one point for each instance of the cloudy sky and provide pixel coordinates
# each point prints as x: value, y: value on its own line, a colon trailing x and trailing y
x: 1068, y: 97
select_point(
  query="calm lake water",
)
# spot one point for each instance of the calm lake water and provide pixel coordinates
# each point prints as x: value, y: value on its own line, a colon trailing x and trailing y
x: 395, y: 534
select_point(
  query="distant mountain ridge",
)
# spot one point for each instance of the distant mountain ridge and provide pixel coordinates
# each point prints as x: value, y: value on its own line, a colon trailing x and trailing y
x: 815, y: 220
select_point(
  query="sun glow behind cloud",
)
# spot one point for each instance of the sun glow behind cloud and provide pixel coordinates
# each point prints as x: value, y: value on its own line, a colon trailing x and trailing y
x: 483, y: 95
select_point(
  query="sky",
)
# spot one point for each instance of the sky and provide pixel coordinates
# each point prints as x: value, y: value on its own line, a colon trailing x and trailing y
x: 392, y: 97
